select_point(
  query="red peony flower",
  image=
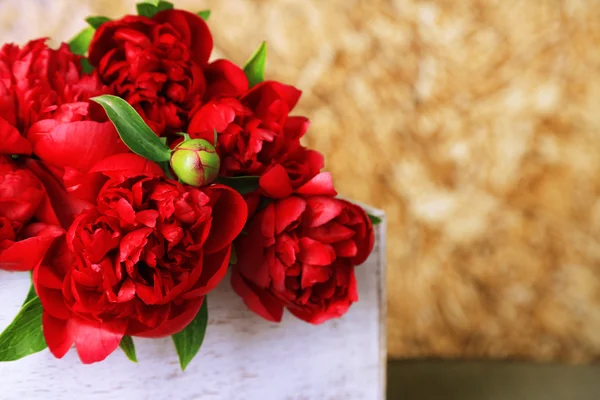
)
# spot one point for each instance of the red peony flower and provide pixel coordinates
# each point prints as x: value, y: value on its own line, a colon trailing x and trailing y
x: 254, y: 132
x: 35, y: 81
x: 138, y: 263
x: 28, y: 224
x: 160, y: 66
x: 299, y: 253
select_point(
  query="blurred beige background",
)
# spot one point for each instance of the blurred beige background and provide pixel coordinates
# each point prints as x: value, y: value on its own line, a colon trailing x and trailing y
x: 474, y: 124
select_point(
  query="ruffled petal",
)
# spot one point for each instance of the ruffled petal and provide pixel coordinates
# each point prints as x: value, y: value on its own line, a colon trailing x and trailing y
x: 194, y: 31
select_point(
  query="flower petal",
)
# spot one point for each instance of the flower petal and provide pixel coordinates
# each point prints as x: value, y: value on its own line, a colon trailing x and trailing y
x: 194, y: 31
x: 276, y: 183
x: 65, y: 206
x: 288, y: 211
x: 258, y: 301
x: 26, y: 254
x: 214, y: 269
x: 57, y: 334
x: 12, y: 141
x: 175, y: 323
x: 96, y: 340
x: 215, y: 115
x: 320, y: 185
x: 315, y: 253
x: 128, y: 165
x: 321, y: 210
x: 78, y: 145
x: 229, y: 215
x: 224, y: 79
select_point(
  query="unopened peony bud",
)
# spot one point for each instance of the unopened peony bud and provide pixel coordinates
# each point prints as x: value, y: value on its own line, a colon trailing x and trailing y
x: 196, y: 162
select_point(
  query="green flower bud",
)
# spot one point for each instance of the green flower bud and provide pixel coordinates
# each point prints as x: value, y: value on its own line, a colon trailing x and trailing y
x: 196, y: 162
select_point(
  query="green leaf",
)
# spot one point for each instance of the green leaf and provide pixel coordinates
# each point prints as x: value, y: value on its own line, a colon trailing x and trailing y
x: 80, y: 43
x: 96, y: 21
x: 86, y: 66
x: 146, y: 9
x: 255, y: 66
x: 133, y: 130
x: 204, y: 14
x: 164, y: 5
x: 24, y: 336
x: 128, y: 348
x: 242, y: 184
x: 149, y: 9
x: 188, y: 341
x: 374, y: 219
x: 215, y: 139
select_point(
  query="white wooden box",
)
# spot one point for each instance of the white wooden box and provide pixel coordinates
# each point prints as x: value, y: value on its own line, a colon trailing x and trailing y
x: 243, y: 357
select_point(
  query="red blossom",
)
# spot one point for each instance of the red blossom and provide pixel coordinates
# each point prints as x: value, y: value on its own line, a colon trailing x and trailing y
x: 38, y: 83
x: 255, y: 131
x: 299, y: 253
x: 160, y: 66
x: 138, y: 263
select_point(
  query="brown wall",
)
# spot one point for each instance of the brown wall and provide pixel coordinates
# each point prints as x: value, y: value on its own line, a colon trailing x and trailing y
x: 474, y: 124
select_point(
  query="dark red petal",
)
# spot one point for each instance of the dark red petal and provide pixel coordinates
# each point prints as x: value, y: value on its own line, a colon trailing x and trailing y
x: 258, y: 301
x: 194, y: 31
x: 57, y: 334
x: 224, y: 79
x: 65, y: 206
x: 346, y: 248
x: 315, y: 253
x: 289, y: 94
x: 176, y: 323
x: 320, y: 185
x: 312, y: 275
x: 104, y: 38
x: 26, y: 254
x: 288, y: 211
x: 229, y: 215
x: 214, y: 269
x: 330, y: 233
x: 295, y: 127
x: 11, y: 141
x: 211, y: 116
x: 127, y: 165
x: 275, y: 183
x: 321, y: 210
x: 366, y: 242
x: 95, y: 340
x: 334, y: 310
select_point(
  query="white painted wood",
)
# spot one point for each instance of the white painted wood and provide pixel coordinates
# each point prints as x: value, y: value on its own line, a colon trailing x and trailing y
x: 243, y: 356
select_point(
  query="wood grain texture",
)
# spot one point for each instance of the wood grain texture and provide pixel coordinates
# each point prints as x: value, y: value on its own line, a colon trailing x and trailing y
x: 243, y: 356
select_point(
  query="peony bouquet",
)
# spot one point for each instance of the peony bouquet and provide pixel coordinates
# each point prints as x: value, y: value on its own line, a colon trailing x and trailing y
x: 135, y: 171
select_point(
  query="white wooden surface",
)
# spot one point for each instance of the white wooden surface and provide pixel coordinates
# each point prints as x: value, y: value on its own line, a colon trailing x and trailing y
x: 243, y: 356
